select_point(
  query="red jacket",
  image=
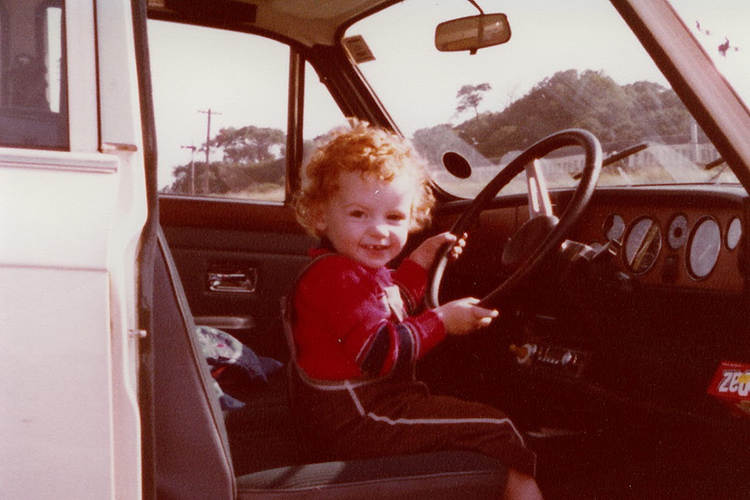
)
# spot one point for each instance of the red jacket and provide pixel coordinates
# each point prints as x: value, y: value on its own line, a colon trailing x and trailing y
x: 349, y: 319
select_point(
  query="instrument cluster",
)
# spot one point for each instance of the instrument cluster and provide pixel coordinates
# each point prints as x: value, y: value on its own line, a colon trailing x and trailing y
x: 679, y: 247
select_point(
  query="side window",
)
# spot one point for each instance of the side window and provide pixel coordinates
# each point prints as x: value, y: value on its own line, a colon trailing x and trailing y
x: 33, y: 107
x: 221, y: 100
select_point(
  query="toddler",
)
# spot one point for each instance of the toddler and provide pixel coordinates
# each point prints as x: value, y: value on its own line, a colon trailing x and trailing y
x: 358, y: 328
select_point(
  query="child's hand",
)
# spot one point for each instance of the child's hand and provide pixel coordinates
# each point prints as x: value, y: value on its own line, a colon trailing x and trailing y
x: 463, y: 316
x: 426, y: 253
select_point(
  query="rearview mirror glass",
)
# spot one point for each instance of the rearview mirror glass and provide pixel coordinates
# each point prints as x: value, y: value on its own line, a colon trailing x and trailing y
x: 472, y: 33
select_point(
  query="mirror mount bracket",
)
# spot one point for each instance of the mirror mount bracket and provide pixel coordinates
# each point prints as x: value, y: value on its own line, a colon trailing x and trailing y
x: 475, y: 4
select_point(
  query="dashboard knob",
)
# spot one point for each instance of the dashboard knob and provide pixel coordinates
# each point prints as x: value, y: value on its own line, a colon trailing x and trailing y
x: 523, y: 353
x: 566, y: 358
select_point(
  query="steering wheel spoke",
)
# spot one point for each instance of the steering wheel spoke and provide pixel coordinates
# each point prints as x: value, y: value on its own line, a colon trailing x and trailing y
x: 539, y: 201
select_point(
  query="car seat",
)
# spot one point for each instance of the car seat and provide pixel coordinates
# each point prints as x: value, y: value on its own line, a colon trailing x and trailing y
x: 192, y: 456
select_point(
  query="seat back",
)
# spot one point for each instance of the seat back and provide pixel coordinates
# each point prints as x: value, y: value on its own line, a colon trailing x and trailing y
x: 192, y: 458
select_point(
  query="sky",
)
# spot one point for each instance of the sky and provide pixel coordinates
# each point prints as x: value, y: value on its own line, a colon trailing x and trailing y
x: 242, y: 79
x: 720, y: 20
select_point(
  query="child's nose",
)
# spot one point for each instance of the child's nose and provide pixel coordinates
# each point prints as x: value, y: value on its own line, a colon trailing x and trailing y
x: 379, y: 228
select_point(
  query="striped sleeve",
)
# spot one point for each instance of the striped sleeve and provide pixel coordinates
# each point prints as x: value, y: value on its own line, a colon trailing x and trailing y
x: 345, y: 328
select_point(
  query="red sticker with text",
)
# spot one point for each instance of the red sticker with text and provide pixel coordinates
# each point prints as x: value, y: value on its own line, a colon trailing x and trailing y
x: 731, y: 385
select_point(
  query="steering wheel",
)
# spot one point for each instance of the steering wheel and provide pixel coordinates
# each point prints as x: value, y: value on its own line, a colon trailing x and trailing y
x: 543, y: 233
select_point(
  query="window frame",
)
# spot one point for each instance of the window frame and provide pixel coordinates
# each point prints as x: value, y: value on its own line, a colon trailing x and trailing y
x: 331, y: 64
x: 37, y: 128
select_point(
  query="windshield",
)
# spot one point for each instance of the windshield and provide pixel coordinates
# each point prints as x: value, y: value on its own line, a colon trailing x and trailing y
x: 562, y: 68
x: 721, y: 26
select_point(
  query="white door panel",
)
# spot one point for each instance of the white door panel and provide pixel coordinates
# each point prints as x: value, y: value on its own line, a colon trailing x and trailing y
x: 56, y: 211
x: 72, y: 208
x: 55, y: 384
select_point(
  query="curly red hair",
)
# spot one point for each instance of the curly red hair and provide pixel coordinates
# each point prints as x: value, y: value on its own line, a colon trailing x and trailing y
x: 372, y: 151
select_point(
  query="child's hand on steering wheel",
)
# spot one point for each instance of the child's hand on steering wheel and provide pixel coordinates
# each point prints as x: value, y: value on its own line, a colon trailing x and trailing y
x: 426, y: 253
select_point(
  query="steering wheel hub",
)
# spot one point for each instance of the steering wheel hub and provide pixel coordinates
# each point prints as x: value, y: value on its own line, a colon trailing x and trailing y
x: 526, y: 239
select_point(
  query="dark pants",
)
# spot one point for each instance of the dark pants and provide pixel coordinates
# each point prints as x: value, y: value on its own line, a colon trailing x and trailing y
x: 396, y: 417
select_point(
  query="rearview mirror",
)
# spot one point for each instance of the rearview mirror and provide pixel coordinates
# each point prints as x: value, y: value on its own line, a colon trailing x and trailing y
x: 472, y: 33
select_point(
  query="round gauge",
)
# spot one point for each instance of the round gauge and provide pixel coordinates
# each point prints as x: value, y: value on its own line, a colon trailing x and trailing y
x: 734, y: 233
x: 642, y: 245
x: 677, y: 234
x: 614, y: 227
x: 704, y: 247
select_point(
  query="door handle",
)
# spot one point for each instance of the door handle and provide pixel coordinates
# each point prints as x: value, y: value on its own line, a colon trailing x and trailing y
x: 233, y: 281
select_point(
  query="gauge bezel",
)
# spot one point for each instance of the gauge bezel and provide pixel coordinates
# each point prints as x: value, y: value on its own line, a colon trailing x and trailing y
x: 628, y: 233
x: 684, y: 237
x: 689, y: 249
x: 733, y: 222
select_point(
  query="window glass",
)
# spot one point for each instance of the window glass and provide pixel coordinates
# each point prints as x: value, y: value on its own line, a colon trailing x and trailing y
x: 721, y: 27
x: 562, y: 68
x: 221, y: 101
x: 33, y: 108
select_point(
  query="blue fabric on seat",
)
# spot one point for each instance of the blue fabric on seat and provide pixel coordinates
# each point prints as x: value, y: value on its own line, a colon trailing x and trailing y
x: 223, y: 350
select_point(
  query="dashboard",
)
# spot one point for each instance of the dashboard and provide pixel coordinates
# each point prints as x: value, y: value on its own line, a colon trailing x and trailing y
x: 686, y: 238
x: 682, y: 311
x: 593, y: 334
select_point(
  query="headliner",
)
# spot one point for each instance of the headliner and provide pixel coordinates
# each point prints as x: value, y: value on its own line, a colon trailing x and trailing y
x: 304, y: 21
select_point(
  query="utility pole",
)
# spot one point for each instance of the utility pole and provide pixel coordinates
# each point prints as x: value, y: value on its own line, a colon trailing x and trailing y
x: 192, y: 167
x: 208, y: 112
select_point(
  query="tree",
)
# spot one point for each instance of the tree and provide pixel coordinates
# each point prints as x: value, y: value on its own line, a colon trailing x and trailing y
x: 469, y: 97
x: 250, y: 144
x: 253, y: 157
x: 207, y: 179
x: 657, y: 109
x: 617, y: 115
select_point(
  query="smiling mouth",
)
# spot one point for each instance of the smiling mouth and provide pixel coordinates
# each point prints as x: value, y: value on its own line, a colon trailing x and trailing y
x: 375, y: 248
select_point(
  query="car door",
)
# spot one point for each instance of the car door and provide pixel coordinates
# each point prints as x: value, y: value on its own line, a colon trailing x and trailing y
x: 225, y: 109
x: 72, y: 207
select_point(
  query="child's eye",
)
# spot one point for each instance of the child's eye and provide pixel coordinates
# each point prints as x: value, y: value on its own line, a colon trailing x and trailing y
x: 397, y: 217
x: 357, y: 214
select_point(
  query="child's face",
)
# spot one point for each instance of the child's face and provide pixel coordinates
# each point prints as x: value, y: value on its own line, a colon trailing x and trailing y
x: 367, y: 219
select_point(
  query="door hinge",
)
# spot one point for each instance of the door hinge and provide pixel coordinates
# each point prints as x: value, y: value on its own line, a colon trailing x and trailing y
x: 138, y: 333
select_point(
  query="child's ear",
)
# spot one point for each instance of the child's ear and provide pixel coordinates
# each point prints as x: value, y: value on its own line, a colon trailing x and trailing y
x: 318, y: 218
